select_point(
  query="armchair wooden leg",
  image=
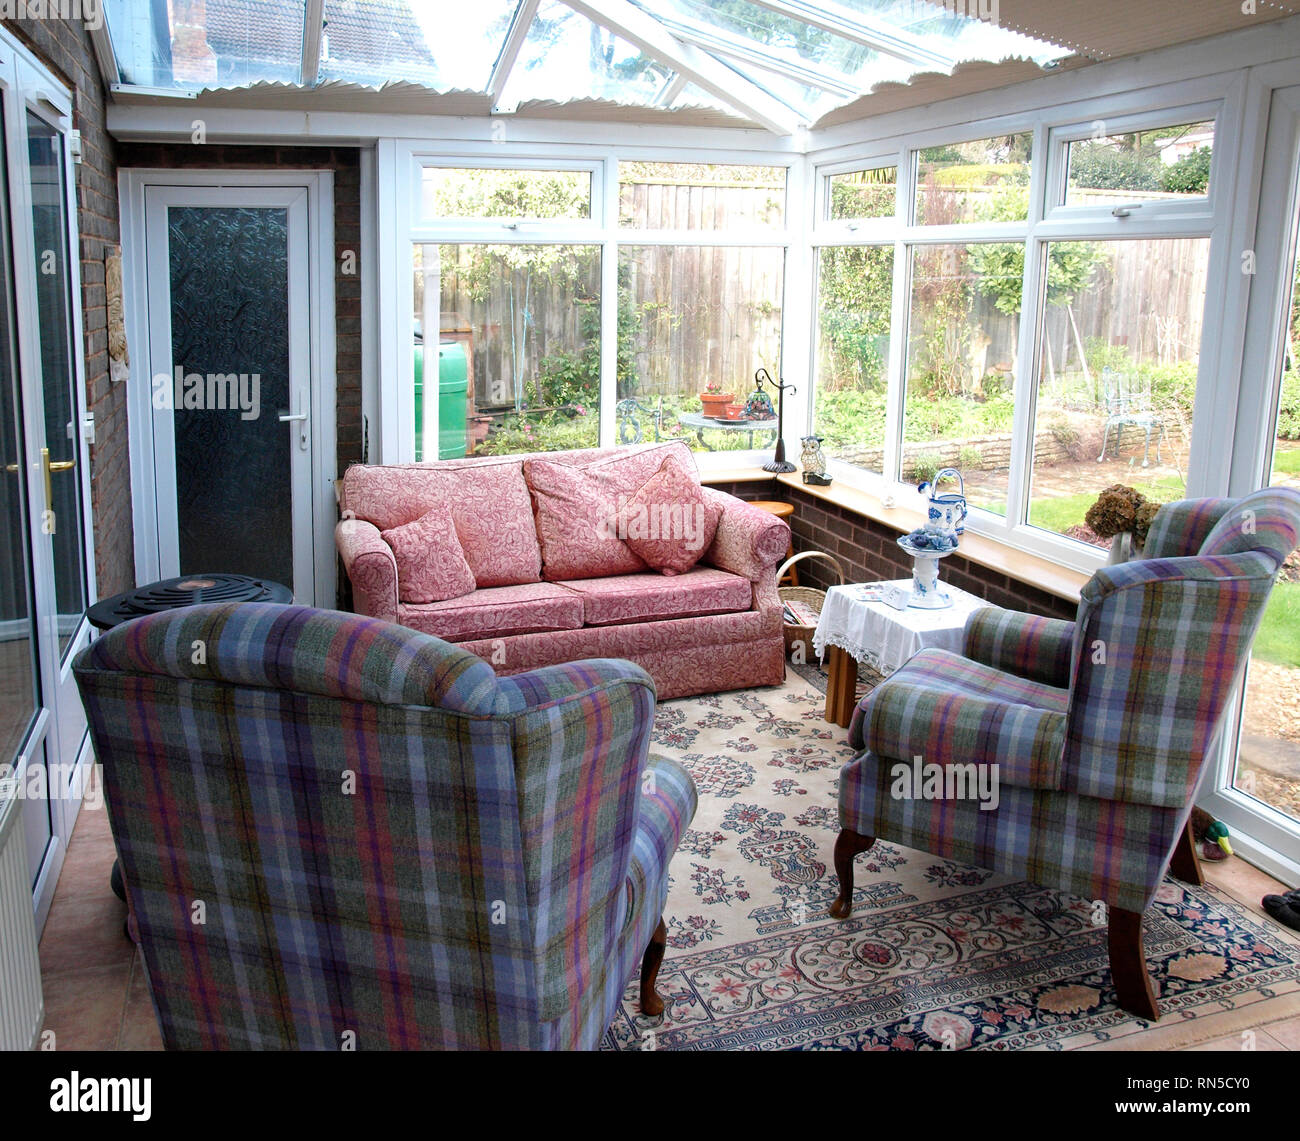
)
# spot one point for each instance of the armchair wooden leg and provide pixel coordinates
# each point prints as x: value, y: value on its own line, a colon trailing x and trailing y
x: 847, y: 845
x: 651, y: 1004
x: 1128, y: 964
x: 1186, y: 864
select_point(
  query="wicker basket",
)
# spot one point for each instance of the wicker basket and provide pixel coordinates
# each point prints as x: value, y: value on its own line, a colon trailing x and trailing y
x: 809, y: 596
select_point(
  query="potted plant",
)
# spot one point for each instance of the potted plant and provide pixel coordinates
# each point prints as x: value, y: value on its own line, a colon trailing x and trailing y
x: 735, y: 411
x: 714, y: 400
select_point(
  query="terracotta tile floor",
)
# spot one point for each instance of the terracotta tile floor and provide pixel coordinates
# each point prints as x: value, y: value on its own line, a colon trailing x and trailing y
x: 96, y: 997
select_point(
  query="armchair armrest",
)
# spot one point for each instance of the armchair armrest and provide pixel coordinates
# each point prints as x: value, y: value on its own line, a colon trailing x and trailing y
x: 581, y: 737
x: 914, y: 715
x: 749, y: 541
x: 1023, y: 644
x: 371, y: 567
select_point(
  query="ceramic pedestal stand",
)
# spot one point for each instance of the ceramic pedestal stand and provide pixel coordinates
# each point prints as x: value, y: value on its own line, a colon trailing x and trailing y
x: 926, y: 592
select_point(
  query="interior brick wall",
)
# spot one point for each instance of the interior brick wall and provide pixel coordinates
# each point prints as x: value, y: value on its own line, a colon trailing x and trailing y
x: 869, y: 551
x: 64, y: 47
x: 345, y: 162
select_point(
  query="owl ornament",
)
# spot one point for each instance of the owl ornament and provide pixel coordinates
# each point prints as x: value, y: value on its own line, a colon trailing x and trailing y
x: 814, y: 461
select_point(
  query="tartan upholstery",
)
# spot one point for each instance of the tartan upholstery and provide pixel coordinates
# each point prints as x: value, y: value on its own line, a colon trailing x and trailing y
x: 1180, y: 528
x: 331, y: 826
x: 947, y: 709
x: 1023, y: 644
x: 1144, y: 675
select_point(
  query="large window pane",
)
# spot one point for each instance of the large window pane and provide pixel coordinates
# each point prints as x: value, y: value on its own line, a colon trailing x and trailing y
x: 961, y: 356
x: 854, y: 295
x: 1164, y: 163
x: 1117, y: 375
x: 699, y: 196
x: 863, y: 194
x: 528, y: 195
x: 519, y: 347
x: 1268, y: 764
x: 691, y: 317
x: 985, y: 180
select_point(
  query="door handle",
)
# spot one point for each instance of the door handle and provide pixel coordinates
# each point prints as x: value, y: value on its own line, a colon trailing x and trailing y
x: 50, y: 466
x: 286, y: 417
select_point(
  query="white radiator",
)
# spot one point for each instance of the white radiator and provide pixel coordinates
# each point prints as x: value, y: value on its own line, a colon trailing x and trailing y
x: 22, y: 1006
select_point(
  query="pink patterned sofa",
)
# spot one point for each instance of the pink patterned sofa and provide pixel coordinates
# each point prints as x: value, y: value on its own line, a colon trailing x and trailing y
x: 524, y: 524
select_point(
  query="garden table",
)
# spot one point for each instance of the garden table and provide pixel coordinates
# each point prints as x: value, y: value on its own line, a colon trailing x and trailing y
x: 699, y: 422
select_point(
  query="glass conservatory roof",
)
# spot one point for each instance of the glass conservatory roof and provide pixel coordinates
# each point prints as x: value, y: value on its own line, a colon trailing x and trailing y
x: 778, y: 63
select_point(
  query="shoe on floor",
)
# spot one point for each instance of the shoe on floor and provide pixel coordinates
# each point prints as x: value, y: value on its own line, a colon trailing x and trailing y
x: 1285, y: 910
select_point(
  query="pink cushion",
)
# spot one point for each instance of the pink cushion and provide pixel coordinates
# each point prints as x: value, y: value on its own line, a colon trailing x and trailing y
x: 573, y: 506
x: 489, y: 505
x: 668, y: 523
x: 651, y: 597
x: 431, y: 566
x: 497, y: 612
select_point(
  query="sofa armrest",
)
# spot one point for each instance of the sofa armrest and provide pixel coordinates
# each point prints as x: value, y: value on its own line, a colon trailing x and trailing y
x: 1026, y: 645
x: 371, y: 567
x: 749, y: 541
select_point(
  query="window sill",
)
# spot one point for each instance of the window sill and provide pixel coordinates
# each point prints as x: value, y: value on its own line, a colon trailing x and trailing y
x: 979, y: 549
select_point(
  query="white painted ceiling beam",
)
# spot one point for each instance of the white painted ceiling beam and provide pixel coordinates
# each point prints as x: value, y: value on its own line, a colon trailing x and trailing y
x: 648, y: 34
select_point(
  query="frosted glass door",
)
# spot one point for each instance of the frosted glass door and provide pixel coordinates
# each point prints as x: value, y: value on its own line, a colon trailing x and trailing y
x: 232, y: 403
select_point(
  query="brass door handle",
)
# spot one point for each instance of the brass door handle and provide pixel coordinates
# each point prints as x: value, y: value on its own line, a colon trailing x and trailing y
x: 53, y: 466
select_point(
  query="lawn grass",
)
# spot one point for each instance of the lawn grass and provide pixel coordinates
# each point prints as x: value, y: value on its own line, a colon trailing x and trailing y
x: 1059, y: 512
x: 1286, y: 461
x: 1278, y: 640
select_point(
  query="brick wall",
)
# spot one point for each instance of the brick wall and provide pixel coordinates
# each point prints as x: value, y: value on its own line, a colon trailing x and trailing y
x: 868, y: 550
x: 65, y: 48
x: 345, y: 162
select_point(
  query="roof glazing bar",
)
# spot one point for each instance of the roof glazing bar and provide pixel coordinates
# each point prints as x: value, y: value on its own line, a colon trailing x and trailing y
x: 892, y: 41
x: 720, y: 81
x: 510, y: 49
x: 313, y: 24
x: 754, y: 55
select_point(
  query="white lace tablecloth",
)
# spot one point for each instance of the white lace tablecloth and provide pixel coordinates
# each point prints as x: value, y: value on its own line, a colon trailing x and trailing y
x: 884, y: 638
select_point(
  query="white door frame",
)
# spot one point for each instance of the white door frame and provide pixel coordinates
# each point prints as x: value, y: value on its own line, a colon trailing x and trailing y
x: 134, y: 185
x: 60, y: 728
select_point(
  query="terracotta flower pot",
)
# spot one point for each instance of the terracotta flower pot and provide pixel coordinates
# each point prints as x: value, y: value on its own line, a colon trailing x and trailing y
x: 735, y: 411
x: 715, y: 403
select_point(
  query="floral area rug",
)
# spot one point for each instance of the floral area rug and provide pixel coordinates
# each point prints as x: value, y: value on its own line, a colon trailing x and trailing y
x: 936, y: 955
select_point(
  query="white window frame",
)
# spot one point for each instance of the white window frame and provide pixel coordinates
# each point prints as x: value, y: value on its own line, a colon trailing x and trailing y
x: 400, y: 163
x: 1216, y: 97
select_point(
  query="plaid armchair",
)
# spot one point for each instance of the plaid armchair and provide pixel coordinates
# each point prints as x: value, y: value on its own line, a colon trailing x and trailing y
x: 1098, y: 728
x: 337, y: 831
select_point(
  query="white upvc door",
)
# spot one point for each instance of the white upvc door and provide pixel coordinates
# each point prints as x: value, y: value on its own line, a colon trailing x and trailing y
x: 236, y: 416
x: 48, y: 576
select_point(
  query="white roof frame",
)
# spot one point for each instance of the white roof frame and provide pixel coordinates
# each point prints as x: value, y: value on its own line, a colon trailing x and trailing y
x: 725, y: 45
x: 720, y: 81
x: 831, y: 18
x: 313, y: 25
x: 520, y: 22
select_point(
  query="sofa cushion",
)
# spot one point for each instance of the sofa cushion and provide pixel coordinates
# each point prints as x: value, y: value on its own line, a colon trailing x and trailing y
x: 431, y: 565
x: 573, y: 506
x: 488, y: 502
x: 651, y: 597
x: 497, y: 612
x: 667, y: 522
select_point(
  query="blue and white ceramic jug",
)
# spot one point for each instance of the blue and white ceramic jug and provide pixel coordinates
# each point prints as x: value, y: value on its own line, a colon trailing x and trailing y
x: 945, y: 514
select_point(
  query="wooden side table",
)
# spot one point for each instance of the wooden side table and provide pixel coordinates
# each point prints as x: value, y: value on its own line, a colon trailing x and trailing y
x: 781, y: 511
